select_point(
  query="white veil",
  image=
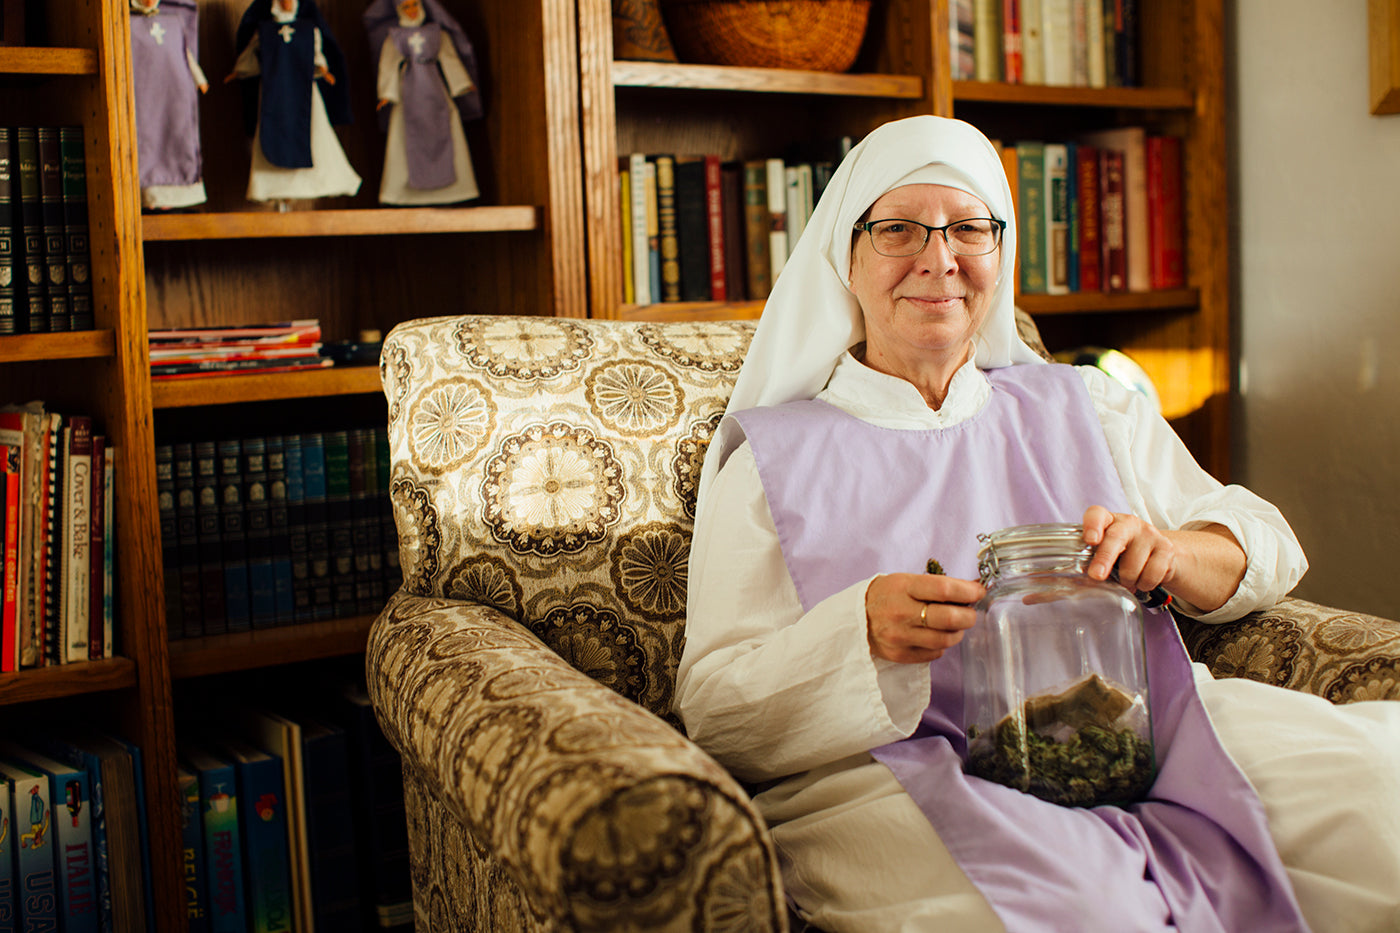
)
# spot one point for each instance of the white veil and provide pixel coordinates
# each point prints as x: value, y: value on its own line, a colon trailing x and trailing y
x: 812, y: 318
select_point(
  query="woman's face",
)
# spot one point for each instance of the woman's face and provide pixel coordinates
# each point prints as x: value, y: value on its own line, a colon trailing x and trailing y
x: 926, y: 307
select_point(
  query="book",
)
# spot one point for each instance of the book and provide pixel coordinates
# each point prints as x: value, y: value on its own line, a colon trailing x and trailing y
x: 35, y: 316
x: 73, y: 169
x: 1030, y: 210
x: 1165, y: 208
x: 759, y: 278
x: 1032, y: 41
x: 77, y: 538
x: 987, y: 40
x: 629, y: 282
x: 9, y: 558
x: 9, y: 892
x: 318, y: 536
x: 257, y: 519
x: 799, y: 200
x: 223, y: 846
x: 224, y: 367
x: 637, y: 208
x: 75, y: 862
x: 1057, y: 251
x: 776, y: 185
x: 388, y: 530
x: 280, y: 552
x: 50, y: 624
x: 329, y: 816
x: 668, y: 231
x: 297, y: 331
x: 340, y: 524
x: 109, y: 549
x: 187, y: 541
x: 35, y: 864
x: 714, y: 228
x: 296, y: 530
x: 1112, y: 223
x: 1132, y: 142
x: 1012, y: 61
x: 653, y: 227
x: 1086, y: 159
x: 1097, y: 64
x: 55, y: 240
x: 263, y: 823
x: 692, y: 229
x: 169, y: 540
x: 1057, y: 41
x: 211, y: 557
x: 364, y: 518
x: 1125, y: 43
x: 281, y: 738
x: 731, y: 199
x: 10, y: 268
x: 97, y: 569
x: 233, y: 535
x: 146, y: 888
x: 192, y: 846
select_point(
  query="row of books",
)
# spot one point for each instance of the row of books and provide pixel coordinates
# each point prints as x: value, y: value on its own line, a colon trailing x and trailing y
x: 1080, y: 43
x: 697, y: 228
x: 45, y: 262
x: 286, y: 346
x: 57, y: 538
x: 1103, y: 212
x: 76, y: 857
x: 294, y: 821
x: 259, y: 532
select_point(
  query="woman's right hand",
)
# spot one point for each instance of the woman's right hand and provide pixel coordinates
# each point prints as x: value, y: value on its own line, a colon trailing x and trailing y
x: 912, y: 618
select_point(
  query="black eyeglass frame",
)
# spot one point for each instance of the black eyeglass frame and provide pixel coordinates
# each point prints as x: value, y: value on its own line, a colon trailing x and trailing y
x: 999, y: 227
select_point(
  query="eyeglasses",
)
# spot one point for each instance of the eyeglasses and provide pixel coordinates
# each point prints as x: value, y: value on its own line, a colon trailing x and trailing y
x: 976, y: 236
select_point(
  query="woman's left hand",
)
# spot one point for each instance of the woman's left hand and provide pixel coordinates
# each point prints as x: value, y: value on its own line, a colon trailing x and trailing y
x: 1145, y: 556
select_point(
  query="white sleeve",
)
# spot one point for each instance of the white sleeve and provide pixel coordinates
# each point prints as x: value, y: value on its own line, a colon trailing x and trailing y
x: 765, y: 688
x: 1166, y: 487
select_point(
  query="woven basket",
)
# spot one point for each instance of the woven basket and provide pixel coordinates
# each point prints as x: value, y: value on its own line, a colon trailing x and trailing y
x: 815, y: 35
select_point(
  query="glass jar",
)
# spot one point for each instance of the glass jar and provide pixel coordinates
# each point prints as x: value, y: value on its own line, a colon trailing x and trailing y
x: 1055, y: 699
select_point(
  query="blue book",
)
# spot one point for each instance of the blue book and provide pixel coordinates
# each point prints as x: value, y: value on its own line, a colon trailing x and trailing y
x: 262, y: 816
x: 280, y: 551
x: 34, y: 859
x: 330, y: 826
x: 1072, y: 193
x: 192, y: 843
x: 75, y: 860
x: 223, y: 849
x: 257, y: 519
x: 9, y: 895
x: 318, y: 533
x: 296, y: 529
x: 233, y: 535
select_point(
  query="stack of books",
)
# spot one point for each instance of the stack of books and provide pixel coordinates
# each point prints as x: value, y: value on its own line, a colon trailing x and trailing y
x: 261, y: 348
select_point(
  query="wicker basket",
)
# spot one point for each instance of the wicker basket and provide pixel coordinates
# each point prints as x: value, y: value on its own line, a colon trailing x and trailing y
x: 815, y: 35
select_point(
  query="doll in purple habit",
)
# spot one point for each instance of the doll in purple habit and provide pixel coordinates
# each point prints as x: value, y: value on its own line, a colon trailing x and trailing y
x: 168, y: 79
x: 427, y: 87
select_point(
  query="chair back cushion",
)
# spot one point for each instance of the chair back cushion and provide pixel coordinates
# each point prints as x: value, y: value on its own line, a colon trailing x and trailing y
x: 548, y: 467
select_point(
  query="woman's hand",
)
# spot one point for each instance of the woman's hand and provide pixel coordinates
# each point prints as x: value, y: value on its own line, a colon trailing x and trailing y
x: 1203, y: 566
x: 912, y: 618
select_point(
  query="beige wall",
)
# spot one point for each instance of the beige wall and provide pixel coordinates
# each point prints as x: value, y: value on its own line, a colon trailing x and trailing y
x: 1317, y: 217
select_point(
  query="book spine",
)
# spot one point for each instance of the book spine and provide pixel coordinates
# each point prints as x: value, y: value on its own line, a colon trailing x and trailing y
x: 55, y: 241
x: 192, y: 839
x: 167, y: 512
x: 668, y: 230
x: 211, y: 566
x: 692, y: 229
x: 759, y: 265
x: 318, y: 536
x: 340, y: 523
x: 97, y: 571
x: 77, y: 540
x: 731, y: 185
x: 653, y: 216
x: 223, y: 849
x: 1125, y: 41
x: 280, y: 552
x: 1032, y: 215
x: 35, y: 869
x: 364, y: 508
x: 629, y: 282
x: 233, y: 535
x: 330, y: 831
x: 1111, y: 20
x: 637, y: 206
x: 1112, y: 224
x: 70, y: 799
x: 263, y: 818
x: 1057, y: 41
x: 35, y: 317
x: 302, y: 599
x: 1072, y: 207
x: 1032, y: 42
x: 1166, y: 246
x: 714, y: 227
x: 9, y: 608
x: 388, y: 530
x: 109, y: 551
x: 73, y: 162
x: 775, y: 180
x: 262, y: 586
x: 9, y: 890
x: 1056, y: 219
x: 1012, y: 61
x: 187, y: 542
x: 50, y: 635
x: 1090, y: 261
x: 987, y: 40
x: 10, y: 268
x: 1093, y: 37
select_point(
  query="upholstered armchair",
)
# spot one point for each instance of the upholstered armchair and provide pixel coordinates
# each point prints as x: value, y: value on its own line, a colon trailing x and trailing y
x: 544, y: 479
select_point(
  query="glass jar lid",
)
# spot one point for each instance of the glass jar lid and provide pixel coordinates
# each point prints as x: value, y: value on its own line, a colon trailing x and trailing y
x: 1053, y: 546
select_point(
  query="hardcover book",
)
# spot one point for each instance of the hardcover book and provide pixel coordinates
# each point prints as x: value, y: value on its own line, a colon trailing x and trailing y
x: 759, y: 279
x: 775, y: 180
x: 192, y: 840
x: 339, y: 522
x: 35, y: 880
x: 233, y: 535
x: 281, y: 738
x: 297, y: 545
x: 388, y: 530
x: 223, y: 847
x: 667, y: 228
x: 55, y: 239
x: 364, y: 513
x: 1131, y: 141
x: 330, y: 826
x: 263, y: 819
x: 637, y: 206
x: 9, y: 892
x: 280, y: 553
x: 9, y: 606
x: 1165, y: 209
x: 1087, y: 188
x: 187, y: 541
x: 211, y: 558
x: 169, y: 540
x: 73, y: 167
x: 714, y: 227
x: 692, y: 229
x: 34, y: 318
x: 262, y: 586
x: 318, y: 534
x: 1030, y: 211
x: 1057, y: 252
x: 10, y: 269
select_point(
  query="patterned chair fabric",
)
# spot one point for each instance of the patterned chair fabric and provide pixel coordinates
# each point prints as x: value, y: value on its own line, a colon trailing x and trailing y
x: 544, y: 479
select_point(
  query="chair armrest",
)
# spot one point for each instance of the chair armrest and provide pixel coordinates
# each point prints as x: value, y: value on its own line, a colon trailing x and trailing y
x: 1341, y: 656
x: 609, y: 818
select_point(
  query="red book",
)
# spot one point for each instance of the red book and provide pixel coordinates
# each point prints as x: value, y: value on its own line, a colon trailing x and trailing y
x: 1165, y: 223
x: 1011, y: 41
x: 9, y: 613
x: 1090, y: 240
x: 714, y: 215
x: 1113, y: 228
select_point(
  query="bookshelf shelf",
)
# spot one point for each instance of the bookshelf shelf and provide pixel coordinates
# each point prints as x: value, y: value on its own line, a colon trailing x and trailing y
x: 235, y: 388
x: 31, y: 60
x: 239, y: 651
x: 764, y: 80
x: 1180, y: 299
x: 693, y: 311
x: 1134, y: 98
x: 65, y: 680
x: 337, y: 223
x: 26, y: 348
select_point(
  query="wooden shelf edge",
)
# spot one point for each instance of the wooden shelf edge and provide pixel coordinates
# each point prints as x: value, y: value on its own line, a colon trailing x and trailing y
x: 289, y: 644
x: 36, y: 60
x: 384, y: 221
x: 251, y: 387
x: 1177, y: 299
x: 25, y: 348
x: 1139, y: 98
x: 65, y: 680
x: 764, y: 80
x: 693, y: 311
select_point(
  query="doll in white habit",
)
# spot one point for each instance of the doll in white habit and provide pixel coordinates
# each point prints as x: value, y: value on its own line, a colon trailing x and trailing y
x: 168, y: 80
x: 426, y: 87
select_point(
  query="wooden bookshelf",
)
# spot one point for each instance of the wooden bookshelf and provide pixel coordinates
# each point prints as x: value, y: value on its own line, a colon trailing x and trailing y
x: 259, y: 648
x: 238, y: 388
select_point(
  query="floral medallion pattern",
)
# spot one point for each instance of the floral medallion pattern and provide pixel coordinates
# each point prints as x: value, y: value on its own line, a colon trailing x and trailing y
x: 649, y: 566
x: 448, y: 423
x: 394, y: 372
x: 1263, y: 651
x: 690, y: 457
x: 524, y: 348
x: 488, y: 580
x: 1372, y: 679
x: 420, y: 537
x: 713, y: 347
x: 634, y: 398
x: 598, y: 643
x: 552, y: 489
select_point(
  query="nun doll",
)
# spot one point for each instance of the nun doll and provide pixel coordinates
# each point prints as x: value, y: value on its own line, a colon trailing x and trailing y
x: 427, y: 87
x: 295, y: 89
x: 165, y: 68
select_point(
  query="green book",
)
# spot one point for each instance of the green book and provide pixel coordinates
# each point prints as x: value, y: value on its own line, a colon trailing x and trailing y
x: 1031, y: 224
x: 73, y: 168
x: 34, y: 318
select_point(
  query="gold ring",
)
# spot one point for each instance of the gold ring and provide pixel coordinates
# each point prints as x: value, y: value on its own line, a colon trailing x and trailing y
x: 923, y: 616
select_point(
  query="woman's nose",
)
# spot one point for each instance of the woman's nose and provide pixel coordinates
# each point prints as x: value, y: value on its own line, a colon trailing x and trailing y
x: 936, y: 256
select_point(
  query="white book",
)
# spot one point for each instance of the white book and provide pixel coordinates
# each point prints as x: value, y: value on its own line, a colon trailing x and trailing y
x: 987, y: 39
x: 1098, y: 64
x: 1056, y: 36
x: 777, y: 215
x: 1032, y: 42
x: 77, y: 533
x: 641, y: 270
x: 109, y: 552
x: 1056, y: 219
